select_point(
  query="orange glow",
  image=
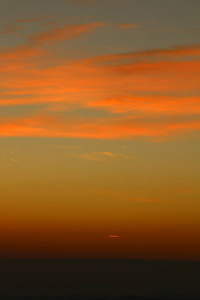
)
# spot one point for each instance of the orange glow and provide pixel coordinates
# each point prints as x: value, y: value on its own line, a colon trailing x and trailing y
x: 124, y: 128
x: 99, y: 130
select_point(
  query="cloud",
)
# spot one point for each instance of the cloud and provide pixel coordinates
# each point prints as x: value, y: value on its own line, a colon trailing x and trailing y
x: 115, y: 73
x: 113, y: 128
x: 66, y: 32
x: 9, y: 29
x: 172, y: 52
x: 14, y: 26
x: 100, y: 156
x: 109, y: 154
x: 153, y: 93
x: 152, y: 105
x: 20, y: 53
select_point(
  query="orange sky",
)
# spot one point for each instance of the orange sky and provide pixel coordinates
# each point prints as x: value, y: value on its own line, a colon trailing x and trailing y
x: 99, y: 129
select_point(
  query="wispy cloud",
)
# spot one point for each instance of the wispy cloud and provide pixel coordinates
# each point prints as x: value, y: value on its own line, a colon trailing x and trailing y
x: 9, y: 29
x: 134, y: 89
x: 116, y: 128
x: 172, y: 52
x: 152, y: 105
x: 66, y: 32
x: 100, y: 156
x: 18, y: 24
x: 21, y: 53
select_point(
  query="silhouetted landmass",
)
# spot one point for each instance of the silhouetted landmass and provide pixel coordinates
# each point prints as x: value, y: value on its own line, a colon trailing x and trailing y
x: 99, y: 280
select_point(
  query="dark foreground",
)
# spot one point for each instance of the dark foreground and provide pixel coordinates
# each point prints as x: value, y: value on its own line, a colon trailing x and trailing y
x: 99, y: 279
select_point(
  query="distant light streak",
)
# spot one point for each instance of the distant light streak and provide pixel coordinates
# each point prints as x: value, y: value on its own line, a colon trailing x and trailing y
x: 113, y: 236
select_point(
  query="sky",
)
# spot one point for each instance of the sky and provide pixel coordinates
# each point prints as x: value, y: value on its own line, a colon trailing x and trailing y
x: 99, y: 129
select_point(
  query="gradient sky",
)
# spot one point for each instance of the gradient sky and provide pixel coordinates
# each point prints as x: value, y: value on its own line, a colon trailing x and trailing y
x: 100, y: 128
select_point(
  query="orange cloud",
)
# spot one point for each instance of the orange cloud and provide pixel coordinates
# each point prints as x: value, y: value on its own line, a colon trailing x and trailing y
x: 19, y: 53
x: 119, y: 128
x: 152, y: 104
x: 133, y: 89
x: 173, y: 52
x: 66, y: 32
x: 111, y: 87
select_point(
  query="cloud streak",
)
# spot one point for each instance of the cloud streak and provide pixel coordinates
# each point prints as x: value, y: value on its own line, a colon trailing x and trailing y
x: 65, y: 33
x: 9, y: 29
x: 133, y: 90
x: 115, y: 128
x: 101, y: 156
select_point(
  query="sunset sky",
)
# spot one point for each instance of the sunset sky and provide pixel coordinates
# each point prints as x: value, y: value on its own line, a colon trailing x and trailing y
x: 100, y: 129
